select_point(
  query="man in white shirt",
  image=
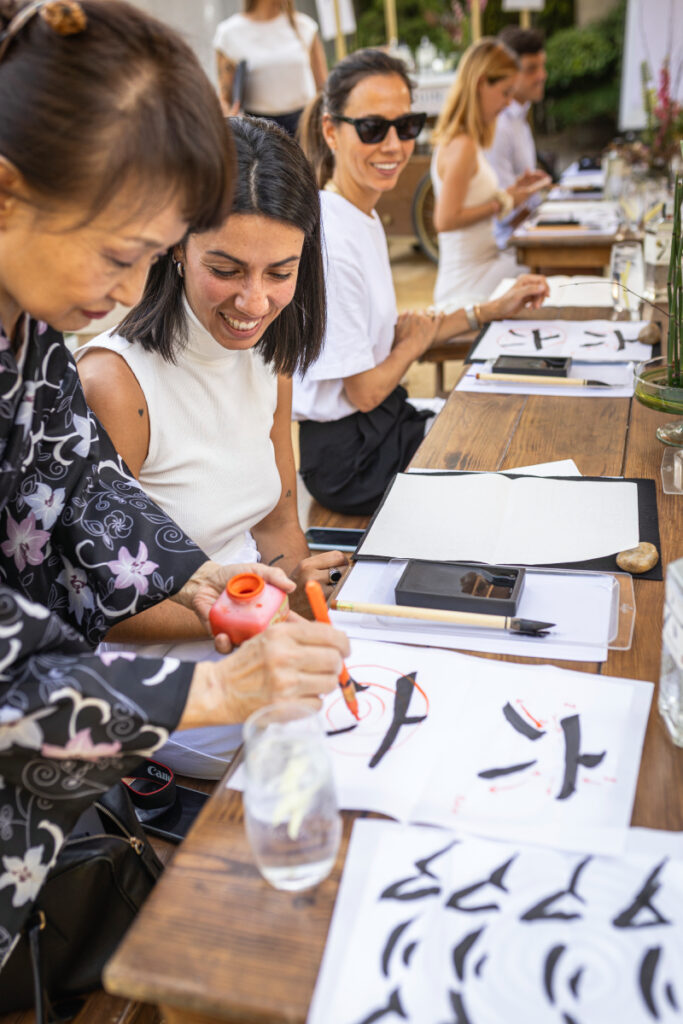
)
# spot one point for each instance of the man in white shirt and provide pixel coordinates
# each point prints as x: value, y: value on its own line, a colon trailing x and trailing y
x: 513, y: 152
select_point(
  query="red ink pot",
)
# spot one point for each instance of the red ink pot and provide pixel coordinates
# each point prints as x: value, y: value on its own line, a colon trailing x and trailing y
x: 247, y: 605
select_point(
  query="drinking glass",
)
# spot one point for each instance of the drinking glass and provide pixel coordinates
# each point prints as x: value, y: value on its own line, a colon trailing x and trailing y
x: 626, y: 272
x: 290, y: 805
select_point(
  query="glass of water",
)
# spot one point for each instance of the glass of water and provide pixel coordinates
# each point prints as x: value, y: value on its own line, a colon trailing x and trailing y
x: 627, y: 274
x: 290, y: 804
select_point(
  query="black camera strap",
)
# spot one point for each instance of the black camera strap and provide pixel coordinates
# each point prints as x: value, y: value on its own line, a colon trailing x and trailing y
x: 152, y: 789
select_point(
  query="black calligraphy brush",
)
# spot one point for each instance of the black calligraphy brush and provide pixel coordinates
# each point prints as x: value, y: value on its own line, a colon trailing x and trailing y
x: 524, y: 627
x: 526, y: 378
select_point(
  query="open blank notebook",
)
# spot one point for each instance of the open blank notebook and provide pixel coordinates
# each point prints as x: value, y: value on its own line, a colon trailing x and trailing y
x: 485, y: 517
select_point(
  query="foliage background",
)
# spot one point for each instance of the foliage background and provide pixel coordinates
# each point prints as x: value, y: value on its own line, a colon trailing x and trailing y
x: 584, y: 64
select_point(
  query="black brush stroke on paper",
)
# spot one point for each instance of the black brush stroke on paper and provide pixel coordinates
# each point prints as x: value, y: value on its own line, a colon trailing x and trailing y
x: 643, y: 901
x: 496, y: 879
x: 551, y: 962
x: 394, y: 1005
x: 460, y: 952
x: 571, y: 726
x: 395, y: 891
x: 391, y: 943
x: 521, y: 724
x: 541, y: 911
x: 404, y: 692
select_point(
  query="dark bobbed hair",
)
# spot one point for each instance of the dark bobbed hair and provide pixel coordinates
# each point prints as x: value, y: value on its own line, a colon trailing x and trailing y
x: 333, y: 98
x: 121, y: 102
x: 523, y: 41
x: 274, y: 180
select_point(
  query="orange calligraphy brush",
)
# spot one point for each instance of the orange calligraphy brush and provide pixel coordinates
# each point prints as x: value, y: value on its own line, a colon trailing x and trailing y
x: 316, y: 599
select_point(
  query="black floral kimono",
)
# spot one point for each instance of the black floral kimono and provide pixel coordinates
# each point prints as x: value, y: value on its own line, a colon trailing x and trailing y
x: 81, y: 548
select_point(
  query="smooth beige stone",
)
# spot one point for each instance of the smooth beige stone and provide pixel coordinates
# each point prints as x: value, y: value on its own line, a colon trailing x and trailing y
x: 639, y: 559
x: 650, y: 334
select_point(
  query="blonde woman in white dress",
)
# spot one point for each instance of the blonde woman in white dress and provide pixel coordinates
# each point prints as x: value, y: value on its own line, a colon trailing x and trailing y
x: 468, y: 197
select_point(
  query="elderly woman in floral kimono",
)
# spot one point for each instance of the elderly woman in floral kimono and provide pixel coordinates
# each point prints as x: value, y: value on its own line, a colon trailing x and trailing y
x: 112, y: 145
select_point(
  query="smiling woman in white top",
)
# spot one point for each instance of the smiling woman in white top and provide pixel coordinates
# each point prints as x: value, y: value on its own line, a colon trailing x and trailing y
x: 195, y: 392
x: 357, y: 427
x: 285, y: 61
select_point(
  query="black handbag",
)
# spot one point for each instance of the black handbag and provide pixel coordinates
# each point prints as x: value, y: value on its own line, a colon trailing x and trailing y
x: 101, y: 877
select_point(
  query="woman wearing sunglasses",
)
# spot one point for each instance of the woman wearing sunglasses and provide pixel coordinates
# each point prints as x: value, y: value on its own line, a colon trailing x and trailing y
x: 357, y: 427
x: 468, y: 197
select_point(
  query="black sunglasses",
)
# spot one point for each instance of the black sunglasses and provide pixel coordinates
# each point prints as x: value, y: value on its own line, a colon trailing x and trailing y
x: 374, y: 129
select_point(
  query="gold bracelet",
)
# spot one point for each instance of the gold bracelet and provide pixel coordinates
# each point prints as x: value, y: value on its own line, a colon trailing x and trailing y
x: 477, y: 315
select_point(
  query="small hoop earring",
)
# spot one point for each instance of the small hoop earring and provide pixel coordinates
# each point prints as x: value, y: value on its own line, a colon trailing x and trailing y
x: 179, y: 268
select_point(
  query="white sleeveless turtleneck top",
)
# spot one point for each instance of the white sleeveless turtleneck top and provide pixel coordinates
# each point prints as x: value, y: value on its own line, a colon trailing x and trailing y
x: 211, y: 463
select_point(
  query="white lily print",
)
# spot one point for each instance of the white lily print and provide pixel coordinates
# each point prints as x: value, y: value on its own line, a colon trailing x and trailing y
x: 83, y: 429
x: 26, y: 873
x: 17, y: 729
x: 47, y: 504
x: 24, y: 415
x: 76, y: 583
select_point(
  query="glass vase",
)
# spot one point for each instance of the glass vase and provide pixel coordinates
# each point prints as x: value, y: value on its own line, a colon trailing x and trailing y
x: 653, y: 390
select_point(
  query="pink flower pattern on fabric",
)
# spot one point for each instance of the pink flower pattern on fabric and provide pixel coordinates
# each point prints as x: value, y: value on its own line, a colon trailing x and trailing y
x: 132, y: 571
x: 25, y: 542
x: 81, y: 746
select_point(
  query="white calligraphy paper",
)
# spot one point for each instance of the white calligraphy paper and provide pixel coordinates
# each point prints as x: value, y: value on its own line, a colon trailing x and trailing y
x: 586, y: 341
x: 485, y: 517
x: 577, y: 290
x: 445, y: 738
x: 435, y: 927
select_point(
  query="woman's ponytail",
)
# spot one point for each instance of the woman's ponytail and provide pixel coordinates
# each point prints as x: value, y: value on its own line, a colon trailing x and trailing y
x: 312, y: 141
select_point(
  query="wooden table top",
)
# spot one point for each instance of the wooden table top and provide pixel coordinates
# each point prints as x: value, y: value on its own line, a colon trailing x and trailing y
x: 573, y: 252
x: 214, y: 941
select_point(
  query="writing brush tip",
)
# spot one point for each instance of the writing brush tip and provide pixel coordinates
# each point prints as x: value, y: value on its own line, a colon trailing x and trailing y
x: 530, y: 627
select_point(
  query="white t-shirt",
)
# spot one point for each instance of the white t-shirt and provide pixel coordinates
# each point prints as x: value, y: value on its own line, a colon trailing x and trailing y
x: 512, y: 152
x: 361, y: 309
x: 279, y: 76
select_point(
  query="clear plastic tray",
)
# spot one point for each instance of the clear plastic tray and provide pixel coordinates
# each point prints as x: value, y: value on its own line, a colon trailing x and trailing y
x: 597, y: 609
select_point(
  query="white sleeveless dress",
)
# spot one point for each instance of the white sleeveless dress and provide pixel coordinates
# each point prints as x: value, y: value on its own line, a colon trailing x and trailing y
x: 471, y: 265
x: 211, y: 466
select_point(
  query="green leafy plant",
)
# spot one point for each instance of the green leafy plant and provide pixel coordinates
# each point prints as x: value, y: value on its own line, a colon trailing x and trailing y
x: 584, y: 68
x: 675, y: 292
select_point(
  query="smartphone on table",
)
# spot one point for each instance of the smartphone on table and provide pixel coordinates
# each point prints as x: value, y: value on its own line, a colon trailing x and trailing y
x: 329, y: 538
x: 175, y: 822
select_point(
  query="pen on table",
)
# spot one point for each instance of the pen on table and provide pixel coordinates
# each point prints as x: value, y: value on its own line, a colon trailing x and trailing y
x: 316, y: 599
x: 527, y: 627
x: 526, y: 378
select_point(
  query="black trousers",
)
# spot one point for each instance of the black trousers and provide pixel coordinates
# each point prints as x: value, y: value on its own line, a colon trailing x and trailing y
x: 347, y: 464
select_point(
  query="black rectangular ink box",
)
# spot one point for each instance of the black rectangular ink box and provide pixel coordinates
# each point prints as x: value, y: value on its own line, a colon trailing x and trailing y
x: 461, y: 587
x: 544, y: 366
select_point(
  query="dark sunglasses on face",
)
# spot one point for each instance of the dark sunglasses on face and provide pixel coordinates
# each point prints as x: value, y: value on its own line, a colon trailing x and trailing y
x: 371, y: 130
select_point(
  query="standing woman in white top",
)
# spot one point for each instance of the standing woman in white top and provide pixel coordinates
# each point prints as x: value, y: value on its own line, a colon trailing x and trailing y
x: 357, y: 426
x: 195, y: 392
x: 468, y: 196
x: 285, y: 61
